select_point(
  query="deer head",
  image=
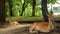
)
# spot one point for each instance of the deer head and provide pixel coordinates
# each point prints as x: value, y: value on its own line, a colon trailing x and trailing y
x: 51, y: 19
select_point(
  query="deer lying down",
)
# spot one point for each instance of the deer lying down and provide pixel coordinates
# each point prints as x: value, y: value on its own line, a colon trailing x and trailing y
x: 43, y: 26
x: 13, y: 23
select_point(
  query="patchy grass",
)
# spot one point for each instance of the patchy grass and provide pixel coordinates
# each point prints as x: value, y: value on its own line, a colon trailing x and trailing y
x: 24, y: 18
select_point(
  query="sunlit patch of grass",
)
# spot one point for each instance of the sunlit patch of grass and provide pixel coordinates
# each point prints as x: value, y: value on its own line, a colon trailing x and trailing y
x: 30, y: 18
x: 23, y: 18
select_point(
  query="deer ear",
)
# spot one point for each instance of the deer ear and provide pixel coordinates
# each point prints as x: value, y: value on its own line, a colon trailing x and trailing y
x: 50, y: 13
x: 47, y: 14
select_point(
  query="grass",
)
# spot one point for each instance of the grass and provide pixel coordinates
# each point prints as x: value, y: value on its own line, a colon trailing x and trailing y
x: 23, y: 18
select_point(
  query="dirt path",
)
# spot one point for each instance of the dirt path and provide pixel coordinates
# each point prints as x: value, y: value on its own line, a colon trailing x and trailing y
x: 22, y: 29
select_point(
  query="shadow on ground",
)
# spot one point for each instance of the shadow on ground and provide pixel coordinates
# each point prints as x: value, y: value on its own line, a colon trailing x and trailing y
x: 24, y: 30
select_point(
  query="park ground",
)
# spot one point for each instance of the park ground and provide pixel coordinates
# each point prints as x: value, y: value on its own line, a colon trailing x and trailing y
x: 23, y: 29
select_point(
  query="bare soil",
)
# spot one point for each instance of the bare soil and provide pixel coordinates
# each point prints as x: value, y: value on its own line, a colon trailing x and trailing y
x: 23, y: 29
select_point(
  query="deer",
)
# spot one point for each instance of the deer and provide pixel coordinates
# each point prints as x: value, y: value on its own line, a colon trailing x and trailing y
x: 43, y: 26
x: 13, y: 23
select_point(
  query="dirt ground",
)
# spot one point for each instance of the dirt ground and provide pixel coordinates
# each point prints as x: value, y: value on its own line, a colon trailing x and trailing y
x: 22, y: 29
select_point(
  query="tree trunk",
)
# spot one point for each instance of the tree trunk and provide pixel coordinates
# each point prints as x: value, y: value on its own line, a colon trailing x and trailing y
x: 33, y: 7
x: 44, y: 9
x: 2, y: 12
x: 23, y: 8
x: 10, y: 8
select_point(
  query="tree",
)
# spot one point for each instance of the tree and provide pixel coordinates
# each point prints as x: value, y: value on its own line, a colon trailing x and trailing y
x: 25, y: 4
x: 33, y: 7
x: 44, y: 9
x: 2, y: 12
x: 23, y: 8
x: 10, y: 7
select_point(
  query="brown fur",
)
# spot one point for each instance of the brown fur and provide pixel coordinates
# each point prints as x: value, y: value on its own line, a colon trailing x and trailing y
x: 14, y: 23
x: 42, y: 26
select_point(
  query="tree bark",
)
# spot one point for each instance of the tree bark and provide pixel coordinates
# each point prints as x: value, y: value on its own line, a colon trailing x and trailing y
x: 33, y: 7
x: 10, y: 8
x: 2, y: 12
x: 23, y: 8
x: 44, y: 9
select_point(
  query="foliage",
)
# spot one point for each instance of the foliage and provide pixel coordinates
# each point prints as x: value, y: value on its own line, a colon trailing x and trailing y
x: 17, y: 7
x: 6, y: 8
x: 51, y: 1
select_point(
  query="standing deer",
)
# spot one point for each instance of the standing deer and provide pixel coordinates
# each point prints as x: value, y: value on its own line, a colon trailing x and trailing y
x: 43, y: 26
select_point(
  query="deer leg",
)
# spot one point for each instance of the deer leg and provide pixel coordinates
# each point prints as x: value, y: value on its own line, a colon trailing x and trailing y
x: 32, y: 29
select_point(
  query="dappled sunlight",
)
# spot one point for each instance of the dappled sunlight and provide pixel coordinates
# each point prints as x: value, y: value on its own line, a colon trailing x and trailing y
x: 22, y: 29
x: 15, y: 27
x: 17, y: 16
